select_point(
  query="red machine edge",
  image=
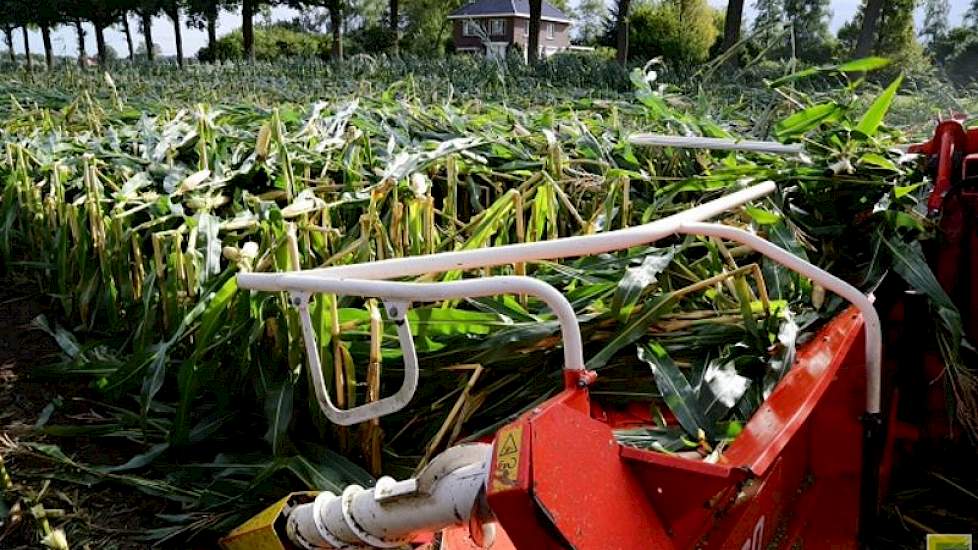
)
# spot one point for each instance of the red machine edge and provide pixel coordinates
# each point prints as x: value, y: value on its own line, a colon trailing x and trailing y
x: 560, y: 480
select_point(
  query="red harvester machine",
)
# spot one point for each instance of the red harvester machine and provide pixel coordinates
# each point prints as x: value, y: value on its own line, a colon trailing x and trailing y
x: 806, y: 472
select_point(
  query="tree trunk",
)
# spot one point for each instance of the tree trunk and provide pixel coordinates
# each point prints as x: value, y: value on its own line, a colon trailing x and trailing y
x: 9, y: 35
x: 867, y: 35
x: 731, y: 27
x: 212, y: 31
x: 103, y: 56
x: 336, y: 23
x: 621, y: 28
x: 177, y: 34
x: 27, y: 48
x: 48, y: 49
x: 248, y: 28
x: 128, y: 31
x: 395, y: 23
x: 80, y: 35
x: 533, y: 41
x: 147, y: 24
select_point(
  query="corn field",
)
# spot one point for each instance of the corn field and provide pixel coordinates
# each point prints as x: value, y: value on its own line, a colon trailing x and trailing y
x: 134, y: 213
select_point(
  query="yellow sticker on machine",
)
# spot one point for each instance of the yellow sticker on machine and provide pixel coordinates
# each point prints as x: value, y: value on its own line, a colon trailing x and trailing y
x: 507, y: 460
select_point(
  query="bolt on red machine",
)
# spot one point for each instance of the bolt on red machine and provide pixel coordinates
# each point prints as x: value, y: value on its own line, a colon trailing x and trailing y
x: 802, y: 474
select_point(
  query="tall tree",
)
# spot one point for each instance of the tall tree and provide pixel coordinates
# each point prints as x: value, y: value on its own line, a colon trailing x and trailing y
x: 426, y: 25
x: 337, y: 11
x: 533, y: 40
x: 128, y: 32
x: 203, y: 14
x: 248, y: 28
x: 769, y: 12
x: 335, y: 8
x: 172, y: 10
x: 622, y: 8
x: 936, y: 14
x: 48, y: 15
x: 867, y: 33
x: 591, y: 15
x: 896, y: 38
x: 27, y: 46
x: 810, y: 25
x: 697, y: 30
x: 8, y: 34
x: 147, y: 10
x: 732, y: 25
x: 394, y: 17
x: 80, y: 41
x: 971, y: 16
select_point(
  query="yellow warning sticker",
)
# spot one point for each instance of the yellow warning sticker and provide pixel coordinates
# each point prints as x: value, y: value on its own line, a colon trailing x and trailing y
x: 507, y: 458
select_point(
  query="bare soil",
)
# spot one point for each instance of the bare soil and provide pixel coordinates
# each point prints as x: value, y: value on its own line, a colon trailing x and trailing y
x: 97, y: 517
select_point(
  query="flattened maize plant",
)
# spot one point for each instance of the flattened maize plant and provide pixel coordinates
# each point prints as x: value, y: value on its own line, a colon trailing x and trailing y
x: 134, y: 214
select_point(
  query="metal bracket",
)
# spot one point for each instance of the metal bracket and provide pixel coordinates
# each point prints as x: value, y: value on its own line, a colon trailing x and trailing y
x: 397, y: 311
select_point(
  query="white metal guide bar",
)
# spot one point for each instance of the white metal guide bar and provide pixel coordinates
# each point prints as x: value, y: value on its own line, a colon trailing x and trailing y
x: 366, y: 280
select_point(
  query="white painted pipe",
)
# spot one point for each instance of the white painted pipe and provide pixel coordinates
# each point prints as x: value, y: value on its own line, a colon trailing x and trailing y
x: 585, y: 245
x: 720, y: 144
x: 449, y: 491
x: 397, y: 298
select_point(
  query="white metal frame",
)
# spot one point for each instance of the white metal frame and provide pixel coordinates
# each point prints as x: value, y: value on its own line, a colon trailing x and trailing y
x: 368, y: 280
x: 720, y: 144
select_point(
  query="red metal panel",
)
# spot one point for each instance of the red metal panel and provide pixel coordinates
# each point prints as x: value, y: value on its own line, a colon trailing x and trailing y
x: 586, y: 490
x: 574, y: 485
x: 788, y: 407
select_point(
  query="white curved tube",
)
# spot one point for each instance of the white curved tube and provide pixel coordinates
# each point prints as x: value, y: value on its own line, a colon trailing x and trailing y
x: 719, y: 144
x: 874, y: 337
x: 585, y: 245
x: 305, y: 282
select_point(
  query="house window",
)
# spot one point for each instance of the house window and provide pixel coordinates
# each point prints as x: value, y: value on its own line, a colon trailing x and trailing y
x: 550, y: 31
x: 470, y: 28
x: 526, y: 28
x: 498, y: 27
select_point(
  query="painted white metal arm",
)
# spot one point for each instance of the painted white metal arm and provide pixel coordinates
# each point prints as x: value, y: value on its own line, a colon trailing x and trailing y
x: 362, y: 280
x: 397, y: 312
x: 397, y: 297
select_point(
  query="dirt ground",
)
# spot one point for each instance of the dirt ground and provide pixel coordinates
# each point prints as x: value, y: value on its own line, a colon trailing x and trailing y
x: 98, y: 517
x: 935, y: 493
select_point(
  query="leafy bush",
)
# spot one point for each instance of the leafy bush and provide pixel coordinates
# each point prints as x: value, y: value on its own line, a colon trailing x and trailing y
x: 272, y: 42
x: 682, y: 32
x: 957, y: 52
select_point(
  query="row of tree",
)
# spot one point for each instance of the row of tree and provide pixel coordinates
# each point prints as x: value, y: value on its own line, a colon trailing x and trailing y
x: 201, y: 14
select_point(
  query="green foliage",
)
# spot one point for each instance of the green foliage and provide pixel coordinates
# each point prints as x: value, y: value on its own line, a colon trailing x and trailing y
x: 809, y: 21
x: 272, y: 42
x: 935, y: 20
x: 681, y: 31
x: 896, y: 38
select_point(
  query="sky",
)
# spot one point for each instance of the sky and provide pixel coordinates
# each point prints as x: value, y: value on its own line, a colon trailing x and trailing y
x: 64, y: 38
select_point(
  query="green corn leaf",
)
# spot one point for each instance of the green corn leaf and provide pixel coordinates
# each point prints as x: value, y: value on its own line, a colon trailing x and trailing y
x: 873, y: 118
x: 808, y: 119
x: 679, y: 396
x: 635, y: 329
x: 278, y: 412
x: 864, y: 65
